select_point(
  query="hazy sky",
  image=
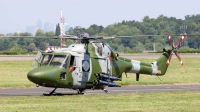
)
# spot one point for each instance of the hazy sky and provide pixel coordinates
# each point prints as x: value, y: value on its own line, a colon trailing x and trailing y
x: 15, y: 15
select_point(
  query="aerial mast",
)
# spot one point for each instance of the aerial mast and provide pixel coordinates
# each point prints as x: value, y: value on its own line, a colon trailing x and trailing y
x: 183, y: 29
x: 62, y: 30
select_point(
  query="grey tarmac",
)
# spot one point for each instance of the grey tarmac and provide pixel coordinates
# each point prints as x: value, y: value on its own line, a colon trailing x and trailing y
x: 111, y: 90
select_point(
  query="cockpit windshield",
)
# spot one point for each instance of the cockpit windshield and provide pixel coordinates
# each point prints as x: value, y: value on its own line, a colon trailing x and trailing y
x: 46, y: 59
x: 59, y: 60
x: 56, y: 60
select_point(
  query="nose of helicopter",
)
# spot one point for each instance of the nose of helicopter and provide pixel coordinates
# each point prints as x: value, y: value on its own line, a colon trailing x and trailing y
x: 34, y: 76
x: 43, y: 75
x: 47, y: 76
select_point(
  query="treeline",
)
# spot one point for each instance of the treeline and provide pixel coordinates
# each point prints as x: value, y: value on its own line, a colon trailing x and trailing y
x: 25, y: 45
x: 162, y: 25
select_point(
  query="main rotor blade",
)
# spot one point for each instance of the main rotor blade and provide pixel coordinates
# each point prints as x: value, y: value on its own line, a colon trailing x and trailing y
x: 185, y: 35
x: 102, y: 37
x: 70, y: 37
x: 191, y: 34
x: 48, y: 37
x: 88, y: 38
x: 179, y: 58
x: 139, y: 36
x: 29, y: 37
x: 133, y: 36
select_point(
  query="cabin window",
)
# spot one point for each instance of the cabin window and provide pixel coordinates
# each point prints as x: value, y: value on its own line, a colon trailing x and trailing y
x: 72, y: 60
x: 72, y: 64
x: 99, y: 49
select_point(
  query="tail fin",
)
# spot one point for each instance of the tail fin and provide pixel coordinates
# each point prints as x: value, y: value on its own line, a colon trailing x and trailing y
x: 161, y: 62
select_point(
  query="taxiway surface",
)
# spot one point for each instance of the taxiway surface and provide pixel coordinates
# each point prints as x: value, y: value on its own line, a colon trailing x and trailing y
x: 111, y: 90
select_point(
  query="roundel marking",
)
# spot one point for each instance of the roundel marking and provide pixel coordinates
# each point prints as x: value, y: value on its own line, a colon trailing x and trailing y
x: 86, y: 65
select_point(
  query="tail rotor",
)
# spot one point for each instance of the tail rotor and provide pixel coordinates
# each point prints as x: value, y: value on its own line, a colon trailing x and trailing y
x: 174, y: 48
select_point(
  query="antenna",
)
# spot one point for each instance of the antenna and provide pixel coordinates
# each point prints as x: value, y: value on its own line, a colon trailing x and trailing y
x: 183, y: 29
x: 62, y: 29
x: 62, y: 24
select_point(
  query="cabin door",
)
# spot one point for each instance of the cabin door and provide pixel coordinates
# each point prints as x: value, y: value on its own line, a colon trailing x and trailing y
x: 85, y: 68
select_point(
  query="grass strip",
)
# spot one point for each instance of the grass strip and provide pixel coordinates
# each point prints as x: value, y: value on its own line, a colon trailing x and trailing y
x: 139, y: 102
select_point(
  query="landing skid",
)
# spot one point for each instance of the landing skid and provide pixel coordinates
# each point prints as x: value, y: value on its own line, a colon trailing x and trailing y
x: 51, y: 93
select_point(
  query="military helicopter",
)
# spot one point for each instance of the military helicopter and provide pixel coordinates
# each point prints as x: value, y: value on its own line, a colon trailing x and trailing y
x: 92, y: 64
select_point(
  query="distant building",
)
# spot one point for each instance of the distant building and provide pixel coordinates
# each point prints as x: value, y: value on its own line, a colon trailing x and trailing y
x: 39, y: 24
x: 49, y: 26
x: 31, y: 29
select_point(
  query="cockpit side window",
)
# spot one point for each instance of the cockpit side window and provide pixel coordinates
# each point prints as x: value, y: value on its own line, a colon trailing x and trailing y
x: 58, y: 60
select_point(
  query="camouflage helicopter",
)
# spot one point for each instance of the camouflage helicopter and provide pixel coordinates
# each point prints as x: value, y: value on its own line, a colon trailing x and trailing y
x: 92, y: 65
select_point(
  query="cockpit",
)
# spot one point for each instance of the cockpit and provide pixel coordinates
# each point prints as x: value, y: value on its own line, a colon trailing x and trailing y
x: 54, y: 60
x: 65, y: 61
x: 49, y: 65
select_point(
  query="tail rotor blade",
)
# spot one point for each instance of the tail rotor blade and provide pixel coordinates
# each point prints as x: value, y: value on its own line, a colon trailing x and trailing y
x: 169, y: 59
x: 179, y: 58
x: 180, y: 40
x: 174, y: 49
x: 170, y: 40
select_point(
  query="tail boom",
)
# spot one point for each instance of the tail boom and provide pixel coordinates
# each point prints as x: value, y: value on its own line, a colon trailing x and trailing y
x: 158, y: 67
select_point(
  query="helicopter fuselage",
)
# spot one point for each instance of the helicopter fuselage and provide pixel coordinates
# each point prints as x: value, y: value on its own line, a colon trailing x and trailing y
x: 92, y: 65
